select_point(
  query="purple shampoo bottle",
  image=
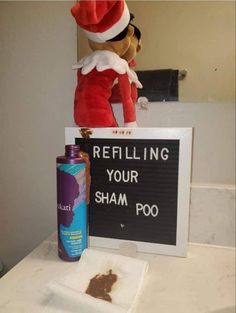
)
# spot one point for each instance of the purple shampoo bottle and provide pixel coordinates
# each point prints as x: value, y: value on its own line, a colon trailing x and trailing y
x: 71, y: 204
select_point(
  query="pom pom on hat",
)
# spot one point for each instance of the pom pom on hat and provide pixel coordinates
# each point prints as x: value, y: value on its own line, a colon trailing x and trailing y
x: 101, y: 20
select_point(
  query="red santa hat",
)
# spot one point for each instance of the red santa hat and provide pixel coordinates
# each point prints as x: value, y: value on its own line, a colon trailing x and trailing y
x: 101, y: 20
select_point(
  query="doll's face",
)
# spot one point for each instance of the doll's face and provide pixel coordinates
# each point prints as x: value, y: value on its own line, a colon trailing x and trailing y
x: 134, y: 48
x: 120, y: 47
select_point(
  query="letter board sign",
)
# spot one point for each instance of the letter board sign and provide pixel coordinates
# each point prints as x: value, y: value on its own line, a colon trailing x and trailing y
x: 140, y: 186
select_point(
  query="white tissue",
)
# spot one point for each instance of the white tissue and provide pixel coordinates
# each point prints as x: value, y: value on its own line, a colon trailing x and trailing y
x: 69, y: 290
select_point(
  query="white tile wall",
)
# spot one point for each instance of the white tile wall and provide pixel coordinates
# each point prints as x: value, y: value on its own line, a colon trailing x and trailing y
x: 212, y: 214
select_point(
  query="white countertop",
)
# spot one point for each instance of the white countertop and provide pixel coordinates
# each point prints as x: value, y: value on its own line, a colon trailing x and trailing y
x: 204, y: 282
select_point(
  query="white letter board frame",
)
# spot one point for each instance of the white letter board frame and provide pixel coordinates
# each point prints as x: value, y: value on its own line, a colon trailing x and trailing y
x: 184, y: 136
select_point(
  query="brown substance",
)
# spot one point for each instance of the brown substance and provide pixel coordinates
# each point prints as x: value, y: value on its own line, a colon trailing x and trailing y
x: 85, y: 156
x: 100, y: 286
x: 85, y: 134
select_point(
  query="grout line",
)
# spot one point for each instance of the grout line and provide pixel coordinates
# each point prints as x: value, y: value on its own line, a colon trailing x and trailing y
x: 212, y: 186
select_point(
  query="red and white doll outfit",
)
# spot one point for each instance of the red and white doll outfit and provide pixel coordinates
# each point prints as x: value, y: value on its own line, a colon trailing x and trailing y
x: 97, y: 74
x: 103, y: 20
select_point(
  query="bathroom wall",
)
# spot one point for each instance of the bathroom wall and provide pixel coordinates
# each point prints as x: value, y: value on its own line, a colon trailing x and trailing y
x: 37, y: 50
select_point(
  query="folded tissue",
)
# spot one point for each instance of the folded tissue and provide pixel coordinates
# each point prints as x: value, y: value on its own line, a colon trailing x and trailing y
x: 101, y: 283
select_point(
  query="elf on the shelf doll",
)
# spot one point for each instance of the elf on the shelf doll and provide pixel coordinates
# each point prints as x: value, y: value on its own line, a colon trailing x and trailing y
x: 110, y: 36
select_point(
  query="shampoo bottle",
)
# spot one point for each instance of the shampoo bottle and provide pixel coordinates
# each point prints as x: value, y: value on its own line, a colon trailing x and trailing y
x: 71, y: 204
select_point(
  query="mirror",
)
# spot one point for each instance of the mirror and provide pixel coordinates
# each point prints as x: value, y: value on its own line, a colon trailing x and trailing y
x: 193, y: 36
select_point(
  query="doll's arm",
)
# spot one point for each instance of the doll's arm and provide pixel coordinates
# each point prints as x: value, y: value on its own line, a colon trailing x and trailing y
x: 127, y: 101
x: 116, y: 98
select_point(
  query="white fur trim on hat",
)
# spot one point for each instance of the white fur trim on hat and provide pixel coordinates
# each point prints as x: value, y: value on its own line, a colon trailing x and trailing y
x: 113, y: 31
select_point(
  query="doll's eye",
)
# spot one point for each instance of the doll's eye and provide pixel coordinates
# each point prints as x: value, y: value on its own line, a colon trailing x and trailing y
x: 137, y: 32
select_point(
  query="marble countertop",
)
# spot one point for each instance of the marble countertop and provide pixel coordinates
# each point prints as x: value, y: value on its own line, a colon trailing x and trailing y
x: 204, y: 282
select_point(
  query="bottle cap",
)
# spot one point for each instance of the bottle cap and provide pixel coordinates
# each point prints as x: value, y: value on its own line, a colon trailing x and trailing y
x: 72, y: 150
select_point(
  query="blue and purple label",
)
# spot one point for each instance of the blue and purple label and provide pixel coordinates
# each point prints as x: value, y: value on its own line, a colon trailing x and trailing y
x: 72, y: 209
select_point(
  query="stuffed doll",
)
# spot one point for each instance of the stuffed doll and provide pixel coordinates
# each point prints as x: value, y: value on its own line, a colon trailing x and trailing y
x: 111, y: 38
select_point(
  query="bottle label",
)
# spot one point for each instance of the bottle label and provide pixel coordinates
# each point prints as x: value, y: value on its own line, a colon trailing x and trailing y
x: 72, y: 210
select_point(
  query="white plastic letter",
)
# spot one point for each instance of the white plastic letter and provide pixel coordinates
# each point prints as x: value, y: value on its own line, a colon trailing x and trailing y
x: 109, y: 172
x: 96, y: 152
